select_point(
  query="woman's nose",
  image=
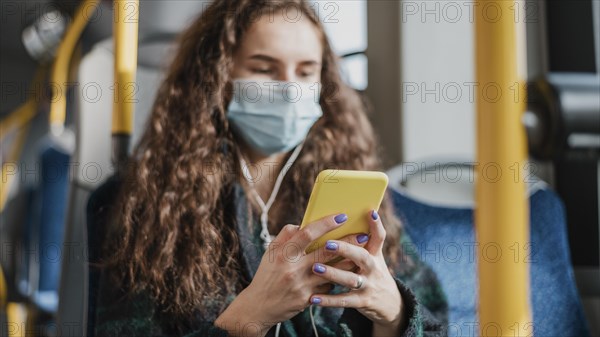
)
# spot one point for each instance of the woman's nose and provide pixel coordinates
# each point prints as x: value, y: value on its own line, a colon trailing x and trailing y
x: 288, y: 76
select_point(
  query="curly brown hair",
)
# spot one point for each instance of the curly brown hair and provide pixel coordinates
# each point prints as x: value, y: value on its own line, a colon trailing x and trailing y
x: 173, y: 232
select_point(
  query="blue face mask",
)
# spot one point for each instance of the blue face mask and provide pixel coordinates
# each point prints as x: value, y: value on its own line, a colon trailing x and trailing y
x: 273, y: 116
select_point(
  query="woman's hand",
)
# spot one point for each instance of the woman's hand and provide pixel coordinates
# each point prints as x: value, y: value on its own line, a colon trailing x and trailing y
x: 374, y: 294
x: 283, y: 284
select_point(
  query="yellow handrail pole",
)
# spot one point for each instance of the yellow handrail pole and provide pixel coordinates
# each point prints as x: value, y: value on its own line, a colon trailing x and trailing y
x: 19, y: 119
x: 502, y: 214
x: 20, y: 116
x: 9, y: 168
x: 126, y: 40
x: 26, y: 111
x: 3, y: 291
x: 16, y: 313
x: 60, y: 69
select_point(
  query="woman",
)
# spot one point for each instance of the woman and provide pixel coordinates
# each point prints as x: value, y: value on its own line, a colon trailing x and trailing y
x: 201, y: 198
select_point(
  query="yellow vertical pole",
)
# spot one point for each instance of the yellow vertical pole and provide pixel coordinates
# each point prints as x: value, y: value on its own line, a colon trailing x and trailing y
x: 60, y: 68
x: 502, y: 214
x: 16, y: 313
x: 3, y: 290
x: 18, y: 121
x: 126, y: 19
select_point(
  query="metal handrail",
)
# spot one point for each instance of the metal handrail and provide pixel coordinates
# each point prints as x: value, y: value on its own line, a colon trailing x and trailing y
x: 60, y: 69
x: 502, y: 213
x: 126, y: 42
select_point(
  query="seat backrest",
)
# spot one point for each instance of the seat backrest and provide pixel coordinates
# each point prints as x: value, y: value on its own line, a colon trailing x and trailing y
x: 99, y: 209
x: 444, y: 237
x: 92, y: 167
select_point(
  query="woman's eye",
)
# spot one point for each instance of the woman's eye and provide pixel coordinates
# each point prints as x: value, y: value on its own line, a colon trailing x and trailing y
x: 262, y: 70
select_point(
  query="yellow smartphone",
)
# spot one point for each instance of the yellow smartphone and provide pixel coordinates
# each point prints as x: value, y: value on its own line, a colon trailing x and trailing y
x: 354, y: 193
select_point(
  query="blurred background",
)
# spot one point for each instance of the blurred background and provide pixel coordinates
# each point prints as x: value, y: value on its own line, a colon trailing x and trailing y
x: 415, y: 63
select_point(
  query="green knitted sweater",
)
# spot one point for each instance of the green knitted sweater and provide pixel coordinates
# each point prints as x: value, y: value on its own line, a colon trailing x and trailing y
x: 135, y: 314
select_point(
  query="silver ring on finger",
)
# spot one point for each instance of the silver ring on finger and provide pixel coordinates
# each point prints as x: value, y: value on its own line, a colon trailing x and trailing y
x: 359, y: 282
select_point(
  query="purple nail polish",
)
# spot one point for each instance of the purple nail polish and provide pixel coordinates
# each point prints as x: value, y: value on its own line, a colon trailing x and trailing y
x: 319, y: 268
x: 330, y: 245
x: 374, y: 215
x: 362, y: 238
x: 340, y: 218
x: 315, y: 300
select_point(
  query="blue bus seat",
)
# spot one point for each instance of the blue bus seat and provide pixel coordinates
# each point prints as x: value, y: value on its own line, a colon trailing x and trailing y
x: 445, y: 239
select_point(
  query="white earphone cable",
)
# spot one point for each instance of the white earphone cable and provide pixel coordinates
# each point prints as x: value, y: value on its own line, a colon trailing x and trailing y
x: 312, y: 321
x: 264, y: 234
x: 264, y: 218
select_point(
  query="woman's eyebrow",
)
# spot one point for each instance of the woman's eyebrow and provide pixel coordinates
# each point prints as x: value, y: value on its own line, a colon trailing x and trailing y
x: 310, y: 63
x: 263, y: 57
x: 270, y: 59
